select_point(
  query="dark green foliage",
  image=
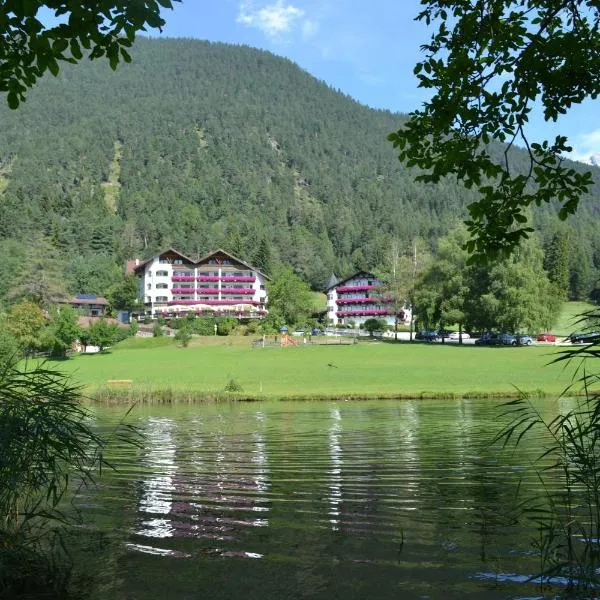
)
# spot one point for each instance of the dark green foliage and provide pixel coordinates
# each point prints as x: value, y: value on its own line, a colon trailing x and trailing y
x: 95, y: 28
x: 289, y: 298
x: 157, y: 330
x: 183, y: 335
x: 488, y: 64
x: 123, y: 295
x: 63, y: 330
x: 556, y: 262
x: 374, y: 325
x: 46, y: 446
x: 233, y: 385
x: 286, y: 171
x: 225, y: 325
x: 103, y: 334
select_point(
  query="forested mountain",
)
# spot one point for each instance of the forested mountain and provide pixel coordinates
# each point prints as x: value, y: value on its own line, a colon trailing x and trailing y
x: 198, y: 145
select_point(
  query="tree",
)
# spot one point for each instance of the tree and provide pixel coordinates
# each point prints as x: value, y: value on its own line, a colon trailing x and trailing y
x: 102, y: 334
x: 184, y: 335
x: 62, y: 332
x: 289, y: 297
x: 123, y: 295
x: 488, y: 63
x: 442, y: 291
x: 556, y: 263
x: 25, y: 321
x: 102, y: 27
x: 374, y: 325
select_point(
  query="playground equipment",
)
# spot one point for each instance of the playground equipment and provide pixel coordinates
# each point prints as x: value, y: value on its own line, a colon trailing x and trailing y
x: 285, y: 339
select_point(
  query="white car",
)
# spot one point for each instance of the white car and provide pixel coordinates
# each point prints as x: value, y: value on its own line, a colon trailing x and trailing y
x: 453, y: 335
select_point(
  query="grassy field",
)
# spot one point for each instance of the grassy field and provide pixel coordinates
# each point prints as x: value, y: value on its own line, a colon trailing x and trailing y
x: 567, y: 320
x: 367, y: 369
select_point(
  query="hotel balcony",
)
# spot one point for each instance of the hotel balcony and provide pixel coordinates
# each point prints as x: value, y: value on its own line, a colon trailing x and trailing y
x: 383, y: 300
x: 371, y: 312
x: 356, y: 288
x: 183, y: 278
x: 216, y: 302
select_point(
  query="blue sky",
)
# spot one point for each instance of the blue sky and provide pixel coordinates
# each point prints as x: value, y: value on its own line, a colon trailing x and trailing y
x: 366, y: 48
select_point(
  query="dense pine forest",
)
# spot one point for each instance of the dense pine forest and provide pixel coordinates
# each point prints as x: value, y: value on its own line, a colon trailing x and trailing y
x: 198, y: 145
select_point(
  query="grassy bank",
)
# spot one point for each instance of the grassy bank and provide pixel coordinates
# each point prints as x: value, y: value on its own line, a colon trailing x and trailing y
x: 139, y: 368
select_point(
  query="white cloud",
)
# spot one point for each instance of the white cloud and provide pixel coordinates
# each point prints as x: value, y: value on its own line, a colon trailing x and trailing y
x: 586, y: 148
x: 274, y: 19
x: 309, y: 29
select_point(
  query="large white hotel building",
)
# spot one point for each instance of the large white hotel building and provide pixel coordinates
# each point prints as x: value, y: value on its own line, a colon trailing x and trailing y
x: 218, y: 283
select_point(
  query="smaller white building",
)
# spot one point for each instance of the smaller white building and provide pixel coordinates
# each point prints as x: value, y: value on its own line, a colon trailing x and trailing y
x: 359, y: 297
x: 172, y: 284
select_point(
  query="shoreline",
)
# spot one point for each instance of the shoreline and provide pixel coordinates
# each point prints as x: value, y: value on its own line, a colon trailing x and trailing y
x: 170, y: 396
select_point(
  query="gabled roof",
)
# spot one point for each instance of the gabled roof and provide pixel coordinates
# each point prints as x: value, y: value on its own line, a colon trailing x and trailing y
x: 143, y: 264
x: 357, y: 274
x: 242, y: 262
x: 331, y: 282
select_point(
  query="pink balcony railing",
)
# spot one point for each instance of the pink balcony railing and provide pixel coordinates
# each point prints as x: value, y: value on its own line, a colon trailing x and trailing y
x: 182, y: 290
x: 374, y: 312
x: 207, y: 290
x: 237, y: 291
x: 356, y: 288
x: 214, y: 302
x: 183, y: 278
x: 211, y: 278
x: 240, y: 278
x: 382, y: 300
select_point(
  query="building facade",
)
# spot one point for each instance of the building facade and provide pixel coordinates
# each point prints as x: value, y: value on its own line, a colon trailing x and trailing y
x: 361, y: 296
x: 173, y: 284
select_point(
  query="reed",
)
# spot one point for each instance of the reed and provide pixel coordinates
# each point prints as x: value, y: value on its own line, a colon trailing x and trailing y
x: 567, y: 516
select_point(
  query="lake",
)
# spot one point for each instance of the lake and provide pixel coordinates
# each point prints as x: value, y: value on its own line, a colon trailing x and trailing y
x: 320, y: 500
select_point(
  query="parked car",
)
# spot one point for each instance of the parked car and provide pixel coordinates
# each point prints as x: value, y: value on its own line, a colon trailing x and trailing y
x: 453, y: 335
x: 592, y: 337
x: 427, y: 336
x: 546, y: 337
x: 508, y: 339
x: 524, y: 340
x: 489, y: 339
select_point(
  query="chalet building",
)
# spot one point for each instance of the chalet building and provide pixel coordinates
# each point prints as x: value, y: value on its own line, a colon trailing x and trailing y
x: 359, y: 297
x: 173, y: 284
x: 89, y: 305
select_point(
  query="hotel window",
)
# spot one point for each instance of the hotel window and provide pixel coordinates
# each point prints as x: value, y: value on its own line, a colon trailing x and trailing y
x: 226, y: 261
x: 161, y: 299
x: 149, y: 286
x: 178, y: 261
x: 212, y: 261
x: 262, y: 287
x: 162, y: 286
x: 162, y: 273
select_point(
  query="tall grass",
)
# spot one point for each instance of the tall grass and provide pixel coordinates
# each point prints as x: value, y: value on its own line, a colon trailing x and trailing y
x: 567, y: 515
x: 47, y: 445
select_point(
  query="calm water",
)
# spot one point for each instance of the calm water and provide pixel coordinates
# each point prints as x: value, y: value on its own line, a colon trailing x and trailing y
x: 321, y: 500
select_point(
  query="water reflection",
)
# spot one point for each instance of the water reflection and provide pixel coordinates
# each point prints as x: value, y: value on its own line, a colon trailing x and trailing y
x: 335, y: 473
x: 352, y: 500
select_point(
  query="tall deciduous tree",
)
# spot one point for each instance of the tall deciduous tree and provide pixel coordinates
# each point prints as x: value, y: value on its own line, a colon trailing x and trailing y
x: 488, y: 64
x: 101, y: 27
x: 25, y: 321
x: 62, y: 331
x: 289, y: 297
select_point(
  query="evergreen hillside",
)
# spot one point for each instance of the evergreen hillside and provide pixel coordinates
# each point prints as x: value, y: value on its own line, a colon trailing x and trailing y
x: 198, y: 145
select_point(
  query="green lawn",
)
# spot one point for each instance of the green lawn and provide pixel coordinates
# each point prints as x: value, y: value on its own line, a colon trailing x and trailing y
x: 365, y: 369
x: 567, y: 320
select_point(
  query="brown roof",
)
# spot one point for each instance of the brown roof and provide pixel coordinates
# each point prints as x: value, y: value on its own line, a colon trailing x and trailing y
x: 141, y: 265
x: 98, y: 300
x: 342, y: 281
x: 85, y: 322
